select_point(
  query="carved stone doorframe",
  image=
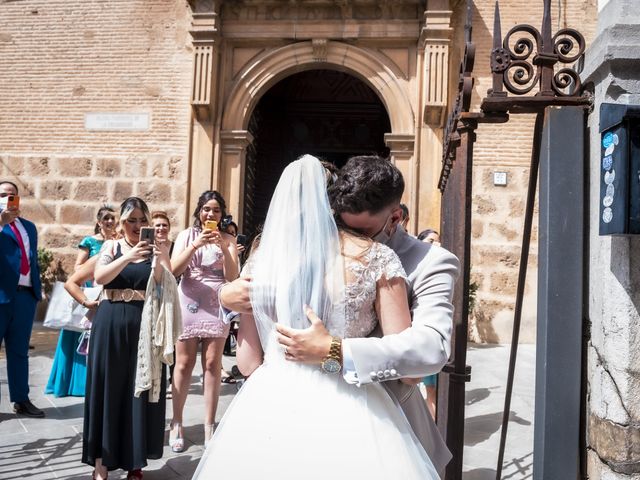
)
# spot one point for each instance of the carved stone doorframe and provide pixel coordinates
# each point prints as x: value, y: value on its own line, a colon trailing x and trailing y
x: 233, y: 150
x: 274, y: 65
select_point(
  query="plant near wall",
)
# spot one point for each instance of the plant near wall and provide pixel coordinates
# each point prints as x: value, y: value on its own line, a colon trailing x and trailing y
x: 50, y: 270
x: 473, y: 290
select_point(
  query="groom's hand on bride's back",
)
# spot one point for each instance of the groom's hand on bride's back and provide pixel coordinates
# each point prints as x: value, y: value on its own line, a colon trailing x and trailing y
x: 309, y: 345
x: 235, y: 296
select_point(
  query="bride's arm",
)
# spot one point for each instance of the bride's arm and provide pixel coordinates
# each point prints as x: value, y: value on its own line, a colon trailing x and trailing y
x: 249, y: 354
x: 392, y: 306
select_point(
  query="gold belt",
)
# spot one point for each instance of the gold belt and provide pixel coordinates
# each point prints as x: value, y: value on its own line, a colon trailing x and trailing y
x: 124, y: 295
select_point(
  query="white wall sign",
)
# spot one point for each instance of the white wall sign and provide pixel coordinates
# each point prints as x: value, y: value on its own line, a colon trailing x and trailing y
x: 117, y: 121
x: 500, y: 178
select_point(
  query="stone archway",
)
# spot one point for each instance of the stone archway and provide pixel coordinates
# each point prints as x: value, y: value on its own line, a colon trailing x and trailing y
x: 385, y: 79
x: 326, y: 113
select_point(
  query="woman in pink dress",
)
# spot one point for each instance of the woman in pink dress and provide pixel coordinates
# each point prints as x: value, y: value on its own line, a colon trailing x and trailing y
x: 206, y: 258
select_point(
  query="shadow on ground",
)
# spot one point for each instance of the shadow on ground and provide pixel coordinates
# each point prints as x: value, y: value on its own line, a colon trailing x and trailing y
x: 481, y: 427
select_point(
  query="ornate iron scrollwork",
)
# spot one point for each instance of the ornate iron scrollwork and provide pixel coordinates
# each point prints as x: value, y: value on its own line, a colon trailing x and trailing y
x: 528, y: 58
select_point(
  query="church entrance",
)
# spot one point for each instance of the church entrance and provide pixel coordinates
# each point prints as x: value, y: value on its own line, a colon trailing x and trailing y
x: 326, y: 113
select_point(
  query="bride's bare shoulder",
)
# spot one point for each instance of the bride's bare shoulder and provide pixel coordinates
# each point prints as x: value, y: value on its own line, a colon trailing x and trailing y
x: 354, y: 245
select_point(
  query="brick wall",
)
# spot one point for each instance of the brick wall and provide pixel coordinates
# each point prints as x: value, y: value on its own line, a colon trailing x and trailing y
x: 61, y: 59
x: 498, y: 212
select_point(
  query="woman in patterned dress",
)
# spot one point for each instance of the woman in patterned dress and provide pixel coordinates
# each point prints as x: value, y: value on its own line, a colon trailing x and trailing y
x: 205, y: 258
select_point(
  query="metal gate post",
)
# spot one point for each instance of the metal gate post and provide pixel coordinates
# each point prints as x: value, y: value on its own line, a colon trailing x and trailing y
x: 560, y: 296
x: 456, y: 228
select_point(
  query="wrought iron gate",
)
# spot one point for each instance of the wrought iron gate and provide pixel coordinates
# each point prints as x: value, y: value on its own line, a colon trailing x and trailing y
x: 518, y: 65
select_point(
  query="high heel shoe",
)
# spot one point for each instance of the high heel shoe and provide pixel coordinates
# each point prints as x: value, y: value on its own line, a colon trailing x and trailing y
x: 176, y: 442
x: 209, y: 428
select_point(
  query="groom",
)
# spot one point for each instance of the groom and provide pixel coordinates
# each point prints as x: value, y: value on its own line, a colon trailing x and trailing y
x: 366, y: 197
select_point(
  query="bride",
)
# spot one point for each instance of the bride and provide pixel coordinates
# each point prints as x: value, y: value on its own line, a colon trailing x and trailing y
x: 294, y: 421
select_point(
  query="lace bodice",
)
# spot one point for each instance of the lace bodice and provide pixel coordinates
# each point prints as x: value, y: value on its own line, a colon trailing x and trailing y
x: 356, y: 315
x: 362, y: 275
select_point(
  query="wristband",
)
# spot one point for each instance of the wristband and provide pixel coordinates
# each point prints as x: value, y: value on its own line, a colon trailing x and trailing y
x: 84, y: 301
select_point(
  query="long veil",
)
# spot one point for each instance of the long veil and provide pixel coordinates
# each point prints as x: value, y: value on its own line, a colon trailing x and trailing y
x: 298, y: 261
x: 287, y: 413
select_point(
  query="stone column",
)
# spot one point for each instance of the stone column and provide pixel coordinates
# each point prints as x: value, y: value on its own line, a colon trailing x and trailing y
x: 233, y: 145
x: 205, y: 32
x: 613, y: 413
x: 401, y: 151
x: 435, y: 39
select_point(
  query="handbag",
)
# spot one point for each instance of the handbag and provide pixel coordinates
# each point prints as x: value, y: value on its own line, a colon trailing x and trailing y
x: 83, y: 343
x: 64, y: 312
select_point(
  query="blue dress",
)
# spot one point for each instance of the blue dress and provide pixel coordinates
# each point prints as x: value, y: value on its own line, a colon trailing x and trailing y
x: 69, y: 369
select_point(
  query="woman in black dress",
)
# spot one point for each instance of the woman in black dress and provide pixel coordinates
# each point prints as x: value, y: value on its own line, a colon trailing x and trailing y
x: 121, y: 431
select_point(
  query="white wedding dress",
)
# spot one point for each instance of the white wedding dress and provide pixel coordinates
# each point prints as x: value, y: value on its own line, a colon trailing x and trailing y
x: 294, y: 422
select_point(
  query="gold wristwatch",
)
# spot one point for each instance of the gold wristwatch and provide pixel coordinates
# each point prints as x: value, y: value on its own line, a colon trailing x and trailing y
x: 332, y: 363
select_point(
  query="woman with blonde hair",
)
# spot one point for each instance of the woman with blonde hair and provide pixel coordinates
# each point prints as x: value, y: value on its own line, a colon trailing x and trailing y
x: 122, y: 430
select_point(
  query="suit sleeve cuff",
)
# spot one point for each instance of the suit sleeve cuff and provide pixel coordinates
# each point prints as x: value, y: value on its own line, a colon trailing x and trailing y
x: 348, y: 366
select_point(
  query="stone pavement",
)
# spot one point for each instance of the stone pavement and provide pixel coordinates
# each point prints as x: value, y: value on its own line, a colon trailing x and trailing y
x: 483, y: 415
x: 51, y: 447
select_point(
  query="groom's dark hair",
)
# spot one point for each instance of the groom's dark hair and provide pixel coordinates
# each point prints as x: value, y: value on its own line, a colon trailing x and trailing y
x: 367, y: 183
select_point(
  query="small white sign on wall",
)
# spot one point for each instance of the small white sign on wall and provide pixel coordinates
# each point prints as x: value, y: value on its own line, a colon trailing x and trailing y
x: 117, y: 121
x: 500, y: 179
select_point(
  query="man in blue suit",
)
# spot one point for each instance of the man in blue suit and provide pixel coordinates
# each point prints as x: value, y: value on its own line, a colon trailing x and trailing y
x: 20, y: 292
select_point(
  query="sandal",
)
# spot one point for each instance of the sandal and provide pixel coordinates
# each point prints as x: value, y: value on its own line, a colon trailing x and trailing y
x: 229, y: 380
x: 93, y: 475
x: 175, y: 442
x: 135, y: 474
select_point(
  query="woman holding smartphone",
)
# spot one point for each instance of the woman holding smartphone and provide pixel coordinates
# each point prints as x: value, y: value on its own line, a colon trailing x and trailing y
x: 121, y: 430
x: 206, y: 258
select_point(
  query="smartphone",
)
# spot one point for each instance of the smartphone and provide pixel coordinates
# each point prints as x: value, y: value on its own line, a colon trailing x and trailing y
x: 241, y: 240
x: 211, y: 225
x: 13, y: 201
x: 148, y: 234
x: 9, y: 201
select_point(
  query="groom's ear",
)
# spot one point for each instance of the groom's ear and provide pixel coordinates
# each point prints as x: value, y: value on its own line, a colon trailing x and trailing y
x: 396, y: 216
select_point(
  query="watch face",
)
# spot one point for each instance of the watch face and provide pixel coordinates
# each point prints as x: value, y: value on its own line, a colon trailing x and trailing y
x: 331, y: 365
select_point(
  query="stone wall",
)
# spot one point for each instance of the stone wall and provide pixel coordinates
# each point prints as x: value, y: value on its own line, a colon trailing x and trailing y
x: 61, y: 59
x: 498, y: 211
x: 613, y: 430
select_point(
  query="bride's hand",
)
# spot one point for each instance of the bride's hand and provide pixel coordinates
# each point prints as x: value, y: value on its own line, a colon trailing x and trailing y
x: 310, y: 345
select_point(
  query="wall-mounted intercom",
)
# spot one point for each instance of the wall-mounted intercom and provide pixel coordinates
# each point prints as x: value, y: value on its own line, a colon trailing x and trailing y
x: 619, y: 169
